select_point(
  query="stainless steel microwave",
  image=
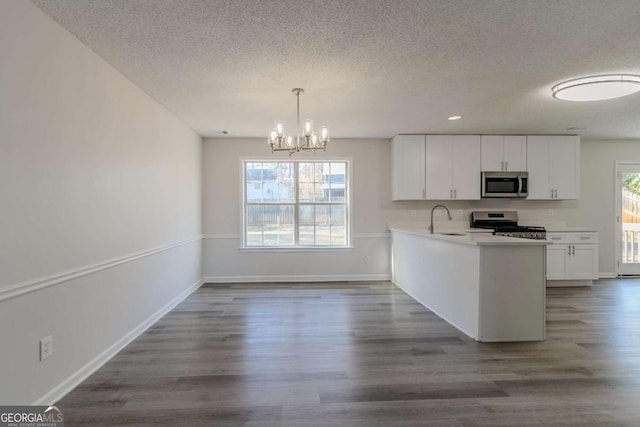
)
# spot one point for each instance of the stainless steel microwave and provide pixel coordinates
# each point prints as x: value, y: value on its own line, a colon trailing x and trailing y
x: 505, y: 184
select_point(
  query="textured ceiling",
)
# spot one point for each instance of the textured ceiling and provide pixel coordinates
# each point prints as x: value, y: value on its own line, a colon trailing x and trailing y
x: 370, y: 68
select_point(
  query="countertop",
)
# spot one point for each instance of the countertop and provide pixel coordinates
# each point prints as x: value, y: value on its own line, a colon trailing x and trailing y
x: 469, y: 237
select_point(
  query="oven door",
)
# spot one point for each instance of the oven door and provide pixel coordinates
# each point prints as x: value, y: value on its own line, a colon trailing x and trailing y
x: 504, y: 184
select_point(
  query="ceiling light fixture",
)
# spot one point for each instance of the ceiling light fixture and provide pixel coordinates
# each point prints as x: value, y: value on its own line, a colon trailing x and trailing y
x: 279, y: 141
x: 597, y: 88
x: 452, y: 118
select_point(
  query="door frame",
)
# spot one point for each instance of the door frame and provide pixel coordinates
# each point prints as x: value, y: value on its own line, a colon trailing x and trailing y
x: 619, y: 167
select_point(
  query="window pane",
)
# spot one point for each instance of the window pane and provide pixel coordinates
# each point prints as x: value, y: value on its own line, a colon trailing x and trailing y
x: 337, y: 181
x: 323, y: 225
x: 321, y: 192
x: 338, y: 225
x: 305, y: 172
x: 306, y: 192
x: 253, y: 182
x: 307, y: 225
x: 254, y: 226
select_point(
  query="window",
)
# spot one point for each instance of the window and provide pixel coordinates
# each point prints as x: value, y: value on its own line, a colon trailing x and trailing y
x: 296, y: 204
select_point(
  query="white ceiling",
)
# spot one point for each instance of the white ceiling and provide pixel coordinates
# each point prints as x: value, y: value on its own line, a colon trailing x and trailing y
x: 370, y: 68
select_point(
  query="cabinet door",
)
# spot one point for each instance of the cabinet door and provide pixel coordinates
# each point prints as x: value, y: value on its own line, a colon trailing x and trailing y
x: 515, y: 152
x: 491, y: 156
x: 408, y: 167
x: 538, y: 167
x: 439, y: 174
x: 466, y: 167
x: 557, y: 262
x: 564, y: 171
x: 584, y: 262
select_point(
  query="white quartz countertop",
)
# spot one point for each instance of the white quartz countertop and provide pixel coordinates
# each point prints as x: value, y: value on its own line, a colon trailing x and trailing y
x: 468, y: 237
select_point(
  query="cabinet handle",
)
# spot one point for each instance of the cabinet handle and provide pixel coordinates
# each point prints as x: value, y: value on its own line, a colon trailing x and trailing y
x: 455, y: 194
x: 573, y: 250
x: 424, y: 194
x: 569, y: 248
x: 451, y: 194
x: 506, y: 166
x: 585, y: 237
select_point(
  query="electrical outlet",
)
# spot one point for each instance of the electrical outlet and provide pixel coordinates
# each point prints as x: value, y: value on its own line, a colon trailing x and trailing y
x: 367, y: 259
x: 550, y: 212
x: 46, y: 347
x: 437, y: 212
x: 459, y: 212
x: 414, y: 213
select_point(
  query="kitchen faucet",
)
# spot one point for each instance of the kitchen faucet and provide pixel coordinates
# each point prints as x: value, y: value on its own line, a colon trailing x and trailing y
x: 434, y: 208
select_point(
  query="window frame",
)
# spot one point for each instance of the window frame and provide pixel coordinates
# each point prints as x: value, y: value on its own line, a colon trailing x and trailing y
x: 348, y: 204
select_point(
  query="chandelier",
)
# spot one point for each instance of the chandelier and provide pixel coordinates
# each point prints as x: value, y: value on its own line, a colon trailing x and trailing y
x: 280, y: 141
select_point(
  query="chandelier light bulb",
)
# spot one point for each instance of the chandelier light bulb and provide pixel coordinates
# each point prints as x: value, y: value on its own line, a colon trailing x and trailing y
x: 280, y: 128
x: 308, y: 128
x: 324, y: 134
x: 314, y: 140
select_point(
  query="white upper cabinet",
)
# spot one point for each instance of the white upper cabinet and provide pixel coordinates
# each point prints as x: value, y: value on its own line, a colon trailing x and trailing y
x: 439, y: 167
x: 445, y: 167
x: 453, y: 167
x: 408, y: 167
x: 503, y: 153
x: 435, y: 167
x: 553, y: 163
x: 466, y: 167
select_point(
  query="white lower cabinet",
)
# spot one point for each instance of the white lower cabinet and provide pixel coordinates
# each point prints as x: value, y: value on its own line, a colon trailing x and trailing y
x: 572, y: 259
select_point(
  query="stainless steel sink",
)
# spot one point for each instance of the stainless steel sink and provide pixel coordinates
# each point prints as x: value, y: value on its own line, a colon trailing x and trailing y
x: 453, y: 234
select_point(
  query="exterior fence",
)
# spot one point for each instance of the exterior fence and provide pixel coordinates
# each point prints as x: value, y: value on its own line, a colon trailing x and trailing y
x: 630, y: 226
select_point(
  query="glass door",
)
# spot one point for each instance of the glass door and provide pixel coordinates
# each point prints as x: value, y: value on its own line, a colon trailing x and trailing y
x: 628, y: 218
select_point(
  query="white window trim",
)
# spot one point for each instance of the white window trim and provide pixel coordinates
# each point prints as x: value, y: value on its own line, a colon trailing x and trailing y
x: 315, y: 158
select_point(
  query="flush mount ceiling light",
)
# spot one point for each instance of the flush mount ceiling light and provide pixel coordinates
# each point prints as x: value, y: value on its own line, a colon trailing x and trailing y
x: 280, y: 141
x: 452, y: 118
x: 597, y: 88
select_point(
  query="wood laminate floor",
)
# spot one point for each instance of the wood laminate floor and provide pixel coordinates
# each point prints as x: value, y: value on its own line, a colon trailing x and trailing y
x: 346, y: 354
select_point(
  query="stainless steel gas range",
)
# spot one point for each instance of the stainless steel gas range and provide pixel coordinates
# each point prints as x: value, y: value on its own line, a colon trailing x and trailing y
x: 505, y: 223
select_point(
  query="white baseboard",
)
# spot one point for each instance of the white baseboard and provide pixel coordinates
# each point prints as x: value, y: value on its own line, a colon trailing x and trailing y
x: 300, y: 278
x: 607, y: 275
x: 59, y: 391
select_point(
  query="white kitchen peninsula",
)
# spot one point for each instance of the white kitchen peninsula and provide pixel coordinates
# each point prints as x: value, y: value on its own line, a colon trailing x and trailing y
x: 492, y: 288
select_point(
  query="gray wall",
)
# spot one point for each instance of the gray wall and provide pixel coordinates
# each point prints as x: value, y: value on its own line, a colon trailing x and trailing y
x: 100, y: 221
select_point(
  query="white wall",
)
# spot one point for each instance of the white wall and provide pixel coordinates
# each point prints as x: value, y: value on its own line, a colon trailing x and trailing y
x: 223, y: 259
x: 100, y: 220
x: 597, y: 205
x: 373, y: 209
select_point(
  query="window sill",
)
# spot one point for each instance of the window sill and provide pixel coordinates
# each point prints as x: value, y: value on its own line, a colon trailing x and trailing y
x: 296, y: 249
